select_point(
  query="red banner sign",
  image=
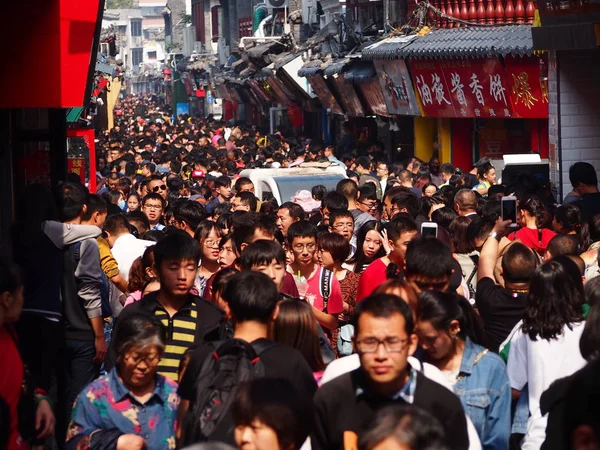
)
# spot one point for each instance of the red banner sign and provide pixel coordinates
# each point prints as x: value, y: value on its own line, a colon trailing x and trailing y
x: 528, y: 92
x: 462, y: 88
x: 77, y: 166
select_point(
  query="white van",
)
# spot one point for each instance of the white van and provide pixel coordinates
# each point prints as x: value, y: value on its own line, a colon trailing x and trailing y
x: 282, y: 184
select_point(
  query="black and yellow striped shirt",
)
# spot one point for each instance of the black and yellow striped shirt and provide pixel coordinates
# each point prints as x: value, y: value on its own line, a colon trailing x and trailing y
x: 181, y: 331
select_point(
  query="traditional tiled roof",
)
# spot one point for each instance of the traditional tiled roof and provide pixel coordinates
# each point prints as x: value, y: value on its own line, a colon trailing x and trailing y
x: 469, y: 42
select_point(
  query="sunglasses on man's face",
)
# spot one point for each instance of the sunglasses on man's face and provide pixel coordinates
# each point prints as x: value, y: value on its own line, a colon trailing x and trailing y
x: 157, y: 188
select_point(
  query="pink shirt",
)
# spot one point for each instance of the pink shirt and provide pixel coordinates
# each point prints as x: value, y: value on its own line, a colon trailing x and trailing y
x: 314, y: 296
x: 133, y: 297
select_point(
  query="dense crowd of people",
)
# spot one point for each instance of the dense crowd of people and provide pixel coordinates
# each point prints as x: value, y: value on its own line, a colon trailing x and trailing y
x: 175, y: 309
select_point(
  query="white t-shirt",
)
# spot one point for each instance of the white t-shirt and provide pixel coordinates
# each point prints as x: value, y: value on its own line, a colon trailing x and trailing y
x: 538, y: 364
x: 349, y: 363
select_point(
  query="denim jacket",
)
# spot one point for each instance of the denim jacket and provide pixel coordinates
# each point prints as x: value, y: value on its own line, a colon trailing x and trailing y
x: 484, y: 391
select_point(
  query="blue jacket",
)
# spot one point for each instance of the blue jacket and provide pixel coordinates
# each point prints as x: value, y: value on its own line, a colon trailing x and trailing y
x: 484, y: 391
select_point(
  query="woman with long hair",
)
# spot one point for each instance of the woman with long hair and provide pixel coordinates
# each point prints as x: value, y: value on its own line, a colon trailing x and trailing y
x: 296, y: 326
x: 568, y: 220
x: 208, y: 234
x: 486, y: 174
x: 546, y: 348
x: 369, y: 246
x: 451, y: 334
x: 534, y: 219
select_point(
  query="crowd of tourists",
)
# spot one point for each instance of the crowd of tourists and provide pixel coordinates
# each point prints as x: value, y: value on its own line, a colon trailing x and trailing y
x: 173, y: 308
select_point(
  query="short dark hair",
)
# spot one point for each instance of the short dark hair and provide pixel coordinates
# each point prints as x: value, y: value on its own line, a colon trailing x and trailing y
x: 251, y: 296
x: 447, y: 168
x: 190, y: 212
x: 519, y: 263
x: 70, y: 199
x: 334, y: 201
x: 444, y: 216
x: 95, y: 204
x: 336, y: 244
x: 154, y: 196
x: 245, y: 225
x: 348, y: 188
x: 248, y: 199
x: 295, y: 210
x: 223, y: 181
x: 116, y: 224
x: 302, y: 228
x: 428, y: 257
x: 406, y: 424
x: 340, y: 214
x: 383, y: 306
x: 401, y: 223
x: 176, y: 245
x: 150, y: 166
x: 563, y: 244
x: 276, y: 403
x: 406, y: 200
x: 242, y: 181
x: 261, y: 252
x: 584, y: 173
x: 318, y: 192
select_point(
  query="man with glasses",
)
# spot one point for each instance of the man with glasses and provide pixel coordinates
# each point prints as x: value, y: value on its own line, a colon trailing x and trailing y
x: 153, y: 205
x: 342, y: 223
x: 316, y: 284
x: 156, y: 185
x: 384, y: 339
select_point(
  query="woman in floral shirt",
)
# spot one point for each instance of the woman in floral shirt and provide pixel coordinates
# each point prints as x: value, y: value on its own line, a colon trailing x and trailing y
x: 132, y: 407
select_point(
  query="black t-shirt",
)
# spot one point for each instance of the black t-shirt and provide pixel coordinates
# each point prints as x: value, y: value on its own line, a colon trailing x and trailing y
x: 500, y: 309
x: 279, y: 361
x: 589, y: 206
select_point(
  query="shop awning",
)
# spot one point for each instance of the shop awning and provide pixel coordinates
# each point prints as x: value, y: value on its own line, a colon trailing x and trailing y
x: 388, y: 48
x: 336, y: 67
x: 310, y: 68
x: 360, y: 72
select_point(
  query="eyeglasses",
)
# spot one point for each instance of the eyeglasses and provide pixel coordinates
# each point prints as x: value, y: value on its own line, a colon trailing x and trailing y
x: 391, y: 345
x: 371, y: 205
x: 162, y: 187
x: 342, y: 226
x: 153, y: 207
x: 298, y: 248
x: 151, y: 360
x: 211, y: 244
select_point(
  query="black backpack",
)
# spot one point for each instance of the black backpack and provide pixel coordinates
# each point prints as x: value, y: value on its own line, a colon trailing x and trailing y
x: 233, y: 362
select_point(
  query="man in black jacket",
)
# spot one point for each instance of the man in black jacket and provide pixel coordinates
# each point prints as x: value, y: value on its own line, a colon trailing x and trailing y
x: 188, y: 319
x: 383, y: 339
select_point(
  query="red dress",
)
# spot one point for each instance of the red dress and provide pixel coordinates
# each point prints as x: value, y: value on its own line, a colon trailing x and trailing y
x: 531, y: 238
x: 371, y: 278
x: 11, y: 381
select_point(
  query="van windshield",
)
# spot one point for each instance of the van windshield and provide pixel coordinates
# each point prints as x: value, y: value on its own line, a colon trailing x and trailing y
x: 288, y: 186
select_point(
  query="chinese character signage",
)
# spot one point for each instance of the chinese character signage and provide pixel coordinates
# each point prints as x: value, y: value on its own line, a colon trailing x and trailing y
x: 462, y: 88
x: 397, y: 87
x: 76, y: 166
x: 528, y: 93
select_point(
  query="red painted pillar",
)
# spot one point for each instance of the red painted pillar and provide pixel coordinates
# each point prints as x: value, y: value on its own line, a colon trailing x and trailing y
x: 462, y: 143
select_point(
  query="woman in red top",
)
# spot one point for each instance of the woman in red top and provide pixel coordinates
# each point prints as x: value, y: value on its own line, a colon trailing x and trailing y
x: 534, y: 220
x: 11, y: 381
x: 401, y: 230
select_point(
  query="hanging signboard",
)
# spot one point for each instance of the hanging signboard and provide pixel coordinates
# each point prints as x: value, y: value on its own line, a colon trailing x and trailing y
x: 397, y: 87
x: 475, y: 88
x: 347, y: 95
x: 528, y: 92
x: 373, y: 98
x: 324, y: 94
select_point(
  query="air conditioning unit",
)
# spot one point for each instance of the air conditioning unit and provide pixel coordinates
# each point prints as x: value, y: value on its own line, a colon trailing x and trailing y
x: 277, y: 3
